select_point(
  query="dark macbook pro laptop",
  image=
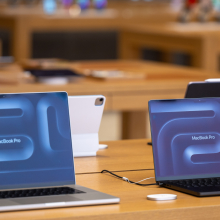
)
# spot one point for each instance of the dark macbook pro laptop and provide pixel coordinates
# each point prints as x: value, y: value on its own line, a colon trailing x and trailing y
x: 186, y: 144
x: 36, y: 158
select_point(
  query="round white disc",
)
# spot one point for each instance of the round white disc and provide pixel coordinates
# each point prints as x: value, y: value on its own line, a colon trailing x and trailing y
x: 161, y: 197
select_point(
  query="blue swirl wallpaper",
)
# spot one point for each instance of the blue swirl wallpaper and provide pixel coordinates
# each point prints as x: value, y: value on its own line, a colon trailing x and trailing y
x: 185, y: 138
x: 35, y: 140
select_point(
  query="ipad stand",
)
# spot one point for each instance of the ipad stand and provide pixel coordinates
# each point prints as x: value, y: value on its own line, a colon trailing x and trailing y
x: 85, y: 145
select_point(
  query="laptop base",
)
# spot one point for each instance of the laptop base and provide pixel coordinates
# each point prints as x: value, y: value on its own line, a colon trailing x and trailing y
x: 89, y: 197
x: 199, y: 192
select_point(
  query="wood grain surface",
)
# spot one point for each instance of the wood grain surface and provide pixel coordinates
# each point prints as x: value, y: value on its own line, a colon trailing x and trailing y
x: 120, y: 155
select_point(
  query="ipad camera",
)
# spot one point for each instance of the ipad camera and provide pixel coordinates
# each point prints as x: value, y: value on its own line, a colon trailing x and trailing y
x: 99, y: 101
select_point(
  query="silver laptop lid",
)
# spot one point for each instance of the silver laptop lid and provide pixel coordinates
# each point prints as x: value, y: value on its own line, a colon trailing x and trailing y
x: 185, y: 138
x: 35, y: 140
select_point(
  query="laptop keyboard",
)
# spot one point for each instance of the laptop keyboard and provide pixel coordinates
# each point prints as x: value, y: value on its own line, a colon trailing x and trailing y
x: 38, y: 192
x: 196, y: 182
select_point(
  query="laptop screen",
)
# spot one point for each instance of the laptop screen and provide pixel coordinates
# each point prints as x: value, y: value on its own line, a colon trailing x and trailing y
x: 185, y: 138
x: 35, y: 140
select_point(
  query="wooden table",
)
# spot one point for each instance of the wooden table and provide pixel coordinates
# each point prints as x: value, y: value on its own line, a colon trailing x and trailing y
x: 139, y: 26
x: 23, y: 21
x: 128, y: 96
x: 201, y: 41
x: 133, y: 204
x: 128, y: 155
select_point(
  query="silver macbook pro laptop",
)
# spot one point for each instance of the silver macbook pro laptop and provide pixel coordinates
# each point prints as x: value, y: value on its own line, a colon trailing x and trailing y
x: 36, y: 160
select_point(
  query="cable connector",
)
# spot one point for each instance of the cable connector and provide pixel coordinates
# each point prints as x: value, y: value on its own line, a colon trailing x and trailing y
x: 129, y: 181
x: 125, y: 179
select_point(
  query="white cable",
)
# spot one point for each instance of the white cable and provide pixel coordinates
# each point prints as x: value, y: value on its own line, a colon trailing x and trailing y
x: 127, y: 180
x: 144, y: 179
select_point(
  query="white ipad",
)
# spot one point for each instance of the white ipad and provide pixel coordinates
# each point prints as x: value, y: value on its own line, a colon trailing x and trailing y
x: 85, y: 118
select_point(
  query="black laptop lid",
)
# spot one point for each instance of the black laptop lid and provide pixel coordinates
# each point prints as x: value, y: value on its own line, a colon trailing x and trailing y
x: 203, y: 89
x: 35, y: 140
x: 185, y: 138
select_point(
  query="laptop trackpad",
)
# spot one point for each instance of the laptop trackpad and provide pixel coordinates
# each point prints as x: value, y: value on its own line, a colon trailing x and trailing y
x: 45, y: 199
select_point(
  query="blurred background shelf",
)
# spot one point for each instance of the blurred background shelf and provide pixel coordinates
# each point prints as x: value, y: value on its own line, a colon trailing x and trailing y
x: 201, y: 46
x: 126, y: 30
x: 24, y: 29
